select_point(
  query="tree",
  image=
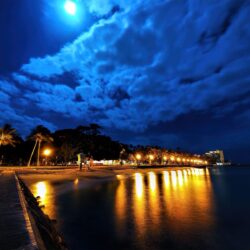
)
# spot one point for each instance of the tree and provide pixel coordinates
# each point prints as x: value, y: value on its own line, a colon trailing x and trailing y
x: 39, y: 134
x: 94, y: 129
x: 8, y: 136
x: 67, y: 152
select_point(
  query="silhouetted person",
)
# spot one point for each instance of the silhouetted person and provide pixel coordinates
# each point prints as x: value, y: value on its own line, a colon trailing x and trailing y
x: 80, y: 159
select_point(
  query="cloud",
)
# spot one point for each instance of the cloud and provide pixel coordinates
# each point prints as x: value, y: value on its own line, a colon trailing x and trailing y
x: 8, y: 88
x: 144, y: 64
x: 21, y: 121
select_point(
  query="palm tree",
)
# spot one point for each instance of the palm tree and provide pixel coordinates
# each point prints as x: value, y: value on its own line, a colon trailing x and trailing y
x: 39, y: 134
x: 7, y: 136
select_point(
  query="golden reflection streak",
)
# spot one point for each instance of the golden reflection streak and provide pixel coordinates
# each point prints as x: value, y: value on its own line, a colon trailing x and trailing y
x: 180, y: 178
x: 139, y: 204
x: 166, y: 178
x: 173, y: 179
x: 120, y: 207
x: 139, y: 185
x: 154, y: 199
x: 185, y: 175
x: 152, y: 181
x: 41, y: 191
x: 184, y: 190
x: 167, y: 185
x: 76, y: 181
x: 45, y: 191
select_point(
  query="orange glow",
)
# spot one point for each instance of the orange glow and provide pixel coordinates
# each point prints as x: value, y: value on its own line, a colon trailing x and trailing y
x: 119, y: 177
x: 47, y: 152
x: 139, y: 185
x: 151, y: 157
x: 138, y: 157
x: 45, y: 191
x: 152, y: 181
x: 173, y: 178
x: 139, y: 203
x: 153, y: 198
x: 166, y: 178
x: 177, y: 199
x: 76, y: 181
x: 180, y: 177
x: 120, y: 207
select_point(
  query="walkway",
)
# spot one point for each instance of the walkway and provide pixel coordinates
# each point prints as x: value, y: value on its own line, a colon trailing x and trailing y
x: 13, y: 230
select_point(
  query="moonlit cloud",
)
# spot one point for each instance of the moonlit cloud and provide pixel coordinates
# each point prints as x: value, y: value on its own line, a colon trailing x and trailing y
x: 144, y: 63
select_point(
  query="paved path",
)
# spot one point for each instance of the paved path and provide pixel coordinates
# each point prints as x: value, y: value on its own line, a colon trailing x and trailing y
x: 13, y: 229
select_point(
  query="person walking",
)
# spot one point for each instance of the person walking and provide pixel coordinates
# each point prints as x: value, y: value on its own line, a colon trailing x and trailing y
x: 80, y: 160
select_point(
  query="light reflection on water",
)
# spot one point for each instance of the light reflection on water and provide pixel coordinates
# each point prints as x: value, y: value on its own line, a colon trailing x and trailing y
x: 165, y: 200
x: 45, y: 191
x: 121, y: 207
x: 168, y: 209
x: 139, y: 202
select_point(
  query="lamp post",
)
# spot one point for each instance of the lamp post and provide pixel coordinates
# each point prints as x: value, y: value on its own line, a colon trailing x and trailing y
x: 138, y: 158
x: 151, y: 158
x: 165, y: 159
x: 47, y: 153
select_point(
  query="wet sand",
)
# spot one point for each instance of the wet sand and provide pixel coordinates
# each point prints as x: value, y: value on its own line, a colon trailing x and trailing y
x: 70, y: 174
x: 62, y: 177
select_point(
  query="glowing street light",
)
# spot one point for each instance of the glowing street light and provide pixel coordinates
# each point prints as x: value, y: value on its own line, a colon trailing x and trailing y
x: 151, y: 157
x: 172, y: 158
x: 47, y: 152
x: 138, y: 157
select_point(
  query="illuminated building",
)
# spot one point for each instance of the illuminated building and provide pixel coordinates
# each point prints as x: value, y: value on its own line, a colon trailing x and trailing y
x: 216, y: 156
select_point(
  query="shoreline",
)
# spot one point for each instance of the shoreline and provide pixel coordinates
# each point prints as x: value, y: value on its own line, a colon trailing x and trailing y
x: 46, y: 234
x: 43, y: 231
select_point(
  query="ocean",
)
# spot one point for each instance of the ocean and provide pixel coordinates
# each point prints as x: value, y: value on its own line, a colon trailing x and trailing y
x: 170, y: 208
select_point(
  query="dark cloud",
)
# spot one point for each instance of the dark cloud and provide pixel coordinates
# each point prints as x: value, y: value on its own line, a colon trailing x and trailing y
x: 142, y: 64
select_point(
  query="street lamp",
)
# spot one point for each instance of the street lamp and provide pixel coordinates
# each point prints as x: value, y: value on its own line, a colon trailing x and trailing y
x: 138, y: 158
x: 47, y: 152
x: 151, y: 158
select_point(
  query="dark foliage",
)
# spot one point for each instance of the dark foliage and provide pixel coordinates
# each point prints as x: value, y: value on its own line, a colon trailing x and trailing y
x: 66, y: 144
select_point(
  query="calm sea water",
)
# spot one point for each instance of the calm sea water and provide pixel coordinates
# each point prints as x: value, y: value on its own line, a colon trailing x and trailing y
x: 167, y: 209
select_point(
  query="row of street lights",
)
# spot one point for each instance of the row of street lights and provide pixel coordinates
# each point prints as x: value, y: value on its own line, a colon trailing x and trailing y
x: 47, y: 152
x: 173, y: 159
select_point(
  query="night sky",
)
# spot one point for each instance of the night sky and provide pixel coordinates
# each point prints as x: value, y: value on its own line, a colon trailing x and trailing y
x: 174, y: 73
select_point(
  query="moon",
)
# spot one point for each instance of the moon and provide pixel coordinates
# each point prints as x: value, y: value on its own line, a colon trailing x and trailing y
x: 70, y: 7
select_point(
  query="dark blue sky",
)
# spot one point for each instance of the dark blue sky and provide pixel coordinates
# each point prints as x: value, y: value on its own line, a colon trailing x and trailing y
x: 172, y: 73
